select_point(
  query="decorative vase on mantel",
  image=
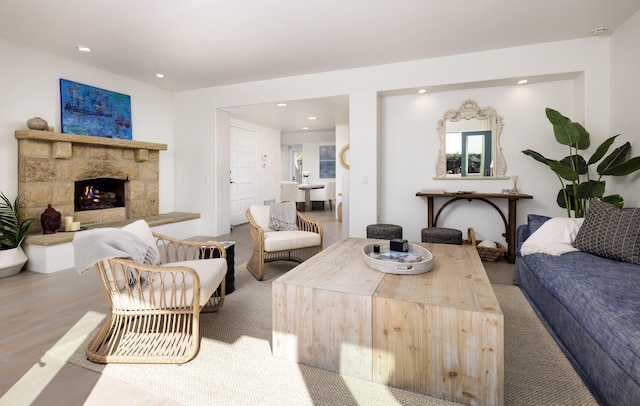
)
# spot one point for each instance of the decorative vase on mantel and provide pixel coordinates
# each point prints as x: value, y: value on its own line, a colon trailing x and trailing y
x: 50, y: 220
x: 37, y: 123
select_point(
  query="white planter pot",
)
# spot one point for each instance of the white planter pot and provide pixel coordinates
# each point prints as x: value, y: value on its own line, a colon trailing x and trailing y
x: 12, y: 261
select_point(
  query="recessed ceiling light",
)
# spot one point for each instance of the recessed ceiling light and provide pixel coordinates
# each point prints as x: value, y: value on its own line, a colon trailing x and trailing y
x: 159, y: 75
x: 312, y: 118
x: 83, y: 48
x: 522, y: 81
x: 281, y: 104
x: 305, y: 128
x: 421, y: 91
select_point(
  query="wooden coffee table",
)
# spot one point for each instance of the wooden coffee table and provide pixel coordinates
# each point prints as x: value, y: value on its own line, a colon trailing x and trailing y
x: 438, y: 333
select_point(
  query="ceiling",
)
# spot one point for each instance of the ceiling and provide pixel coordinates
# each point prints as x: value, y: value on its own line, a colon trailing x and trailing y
x: 203, y: 43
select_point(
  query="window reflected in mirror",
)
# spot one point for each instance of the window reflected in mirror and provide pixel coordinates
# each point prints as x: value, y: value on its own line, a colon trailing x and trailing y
x: 470, y: 144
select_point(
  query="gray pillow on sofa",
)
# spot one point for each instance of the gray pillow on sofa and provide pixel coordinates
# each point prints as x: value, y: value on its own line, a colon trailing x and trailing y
x: 610, y: 232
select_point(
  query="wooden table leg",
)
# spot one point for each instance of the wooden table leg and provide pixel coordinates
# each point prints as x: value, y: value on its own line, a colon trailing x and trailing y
x: 430, y: 212
x: 511, y: 231
x: 307, y: 200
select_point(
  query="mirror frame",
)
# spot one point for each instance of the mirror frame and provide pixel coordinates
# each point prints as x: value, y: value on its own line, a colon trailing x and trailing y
x: 344, y: 157
x: 467, y: 111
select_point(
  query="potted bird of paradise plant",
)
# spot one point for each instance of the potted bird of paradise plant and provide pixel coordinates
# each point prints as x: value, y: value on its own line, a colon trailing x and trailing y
x: 13, y: 228
x: 578, y: 185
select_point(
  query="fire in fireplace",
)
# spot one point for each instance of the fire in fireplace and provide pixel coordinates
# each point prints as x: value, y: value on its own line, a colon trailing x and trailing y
x: 96, y: 194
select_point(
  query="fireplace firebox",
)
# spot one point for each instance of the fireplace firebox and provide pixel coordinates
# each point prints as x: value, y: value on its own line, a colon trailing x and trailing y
x: 98, y: 194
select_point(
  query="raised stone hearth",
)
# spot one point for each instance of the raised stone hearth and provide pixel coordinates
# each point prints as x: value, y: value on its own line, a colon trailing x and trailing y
x: 50, y: 163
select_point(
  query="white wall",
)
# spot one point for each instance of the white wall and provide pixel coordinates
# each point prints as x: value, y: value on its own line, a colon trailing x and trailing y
x: 588, y: 99
x: 408, y: 130
x: 199, y: 141
x: 625, y: 88
x: 29, y: 83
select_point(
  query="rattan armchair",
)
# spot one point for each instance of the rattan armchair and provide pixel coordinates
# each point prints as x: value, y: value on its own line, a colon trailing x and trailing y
x: 270, y: 245
x: 155, y: 309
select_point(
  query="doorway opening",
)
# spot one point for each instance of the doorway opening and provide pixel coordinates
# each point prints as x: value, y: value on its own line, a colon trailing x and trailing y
x: 296, y: 164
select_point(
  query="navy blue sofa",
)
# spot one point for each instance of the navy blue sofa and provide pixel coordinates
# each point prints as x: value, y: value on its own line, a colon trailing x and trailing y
x: 591, y: 306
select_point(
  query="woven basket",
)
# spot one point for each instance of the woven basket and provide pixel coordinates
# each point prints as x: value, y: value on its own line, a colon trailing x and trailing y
x: 488, y: 254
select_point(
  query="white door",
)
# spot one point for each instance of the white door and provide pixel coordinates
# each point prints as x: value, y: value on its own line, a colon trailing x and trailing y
x: 243, y: 173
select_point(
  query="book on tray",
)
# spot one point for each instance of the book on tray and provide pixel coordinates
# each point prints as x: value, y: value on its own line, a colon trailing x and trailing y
x: 399, y: 256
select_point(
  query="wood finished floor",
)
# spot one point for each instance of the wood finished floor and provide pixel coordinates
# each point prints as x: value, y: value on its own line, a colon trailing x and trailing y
x: 38, y: 309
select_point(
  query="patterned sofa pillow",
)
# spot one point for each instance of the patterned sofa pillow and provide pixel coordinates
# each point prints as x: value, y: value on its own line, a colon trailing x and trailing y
x: 610, y: 232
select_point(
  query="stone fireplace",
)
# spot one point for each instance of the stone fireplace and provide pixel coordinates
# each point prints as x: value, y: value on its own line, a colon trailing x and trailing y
x: 93, y: 179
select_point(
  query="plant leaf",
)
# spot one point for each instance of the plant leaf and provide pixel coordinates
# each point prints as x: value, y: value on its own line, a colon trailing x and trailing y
x: 565, y: 131
x: 590, y: 189
x: 538, y: 157
x: 624, y: 168
x: 601, y: 150
x: 560, y: 199
x: 615, y: 200
x: 578, y: 162
x: 564, y: 171
x: 616, y: 157
x: 584, y: 141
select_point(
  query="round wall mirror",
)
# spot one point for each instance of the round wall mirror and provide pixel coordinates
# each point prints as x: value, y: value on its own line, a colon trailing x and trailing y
x: 344, y: 157
x: 470, y: 144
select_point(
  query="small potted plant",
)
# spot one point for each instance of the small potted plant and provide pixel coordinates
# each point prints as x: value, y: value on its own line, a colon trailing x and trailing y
x: 13, y: 229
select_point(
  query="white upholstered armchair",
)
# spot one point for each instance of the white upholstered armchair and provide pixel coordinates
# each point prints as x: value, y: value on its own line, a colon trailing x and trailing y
x: 271, y: 245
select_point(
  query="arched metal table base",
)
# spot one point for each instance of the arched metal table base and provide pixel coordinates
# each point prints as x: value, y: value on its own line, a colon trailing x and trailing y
x: 509, y: 220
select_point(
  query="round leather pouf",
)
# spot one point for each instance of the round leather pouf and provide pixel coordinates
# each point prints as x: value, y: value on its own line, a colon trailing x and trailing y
x: 384, y: 231
x: 441, y: 235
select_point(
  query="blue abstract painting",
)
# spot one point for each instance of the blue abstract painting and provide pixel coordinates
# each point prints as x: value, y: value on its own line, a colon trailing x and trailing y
x: 89, y: 110
x: 327, y: 161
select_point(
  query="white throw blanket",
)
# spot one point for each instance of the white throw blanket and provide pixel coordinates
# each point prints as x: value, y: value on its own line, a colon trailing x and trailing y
x: 282, y: 216
x: 554, y: 237
x: 92, y: 246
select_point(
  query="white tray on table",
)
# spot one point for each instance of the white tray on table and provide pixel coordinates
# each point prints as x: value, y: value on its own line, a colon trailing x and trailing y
x: 398, y: 262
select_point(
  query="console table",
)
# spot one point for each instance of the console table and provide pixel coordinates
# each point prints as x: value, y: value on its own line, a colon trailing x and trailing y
x: 509, y: 220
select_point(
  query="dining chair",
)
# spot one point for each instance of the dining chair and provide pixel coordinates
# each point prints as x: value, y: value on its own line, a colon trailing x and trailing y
x: 289, y: 192
x: 326, y: 194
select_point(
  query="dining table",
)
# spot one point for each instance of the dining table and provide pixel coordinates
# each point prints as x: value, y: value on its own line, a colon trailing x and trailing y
x: 307, y: 187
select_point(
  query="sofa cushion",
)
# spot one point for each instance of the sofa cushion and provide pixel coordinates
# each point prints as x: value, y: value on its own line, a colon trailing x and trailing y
x: 290, y: 240
x: 601, y: 294
x: 210, y: 272
x: 261, y: 215
x: 610, y: 232
x: 535, y: 221
x: 553, y: 237
x: 141, y: 229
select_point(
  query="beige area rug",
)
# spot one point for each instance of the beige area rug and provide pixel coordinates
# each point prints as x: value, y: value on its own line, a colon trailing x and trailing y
x: 235, y: 365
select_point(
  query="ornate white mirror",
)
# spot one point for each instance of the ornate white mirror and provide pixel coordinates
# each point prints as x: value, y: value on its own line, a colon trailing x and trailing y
x: 344, y: 157
x: 470, y: 144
